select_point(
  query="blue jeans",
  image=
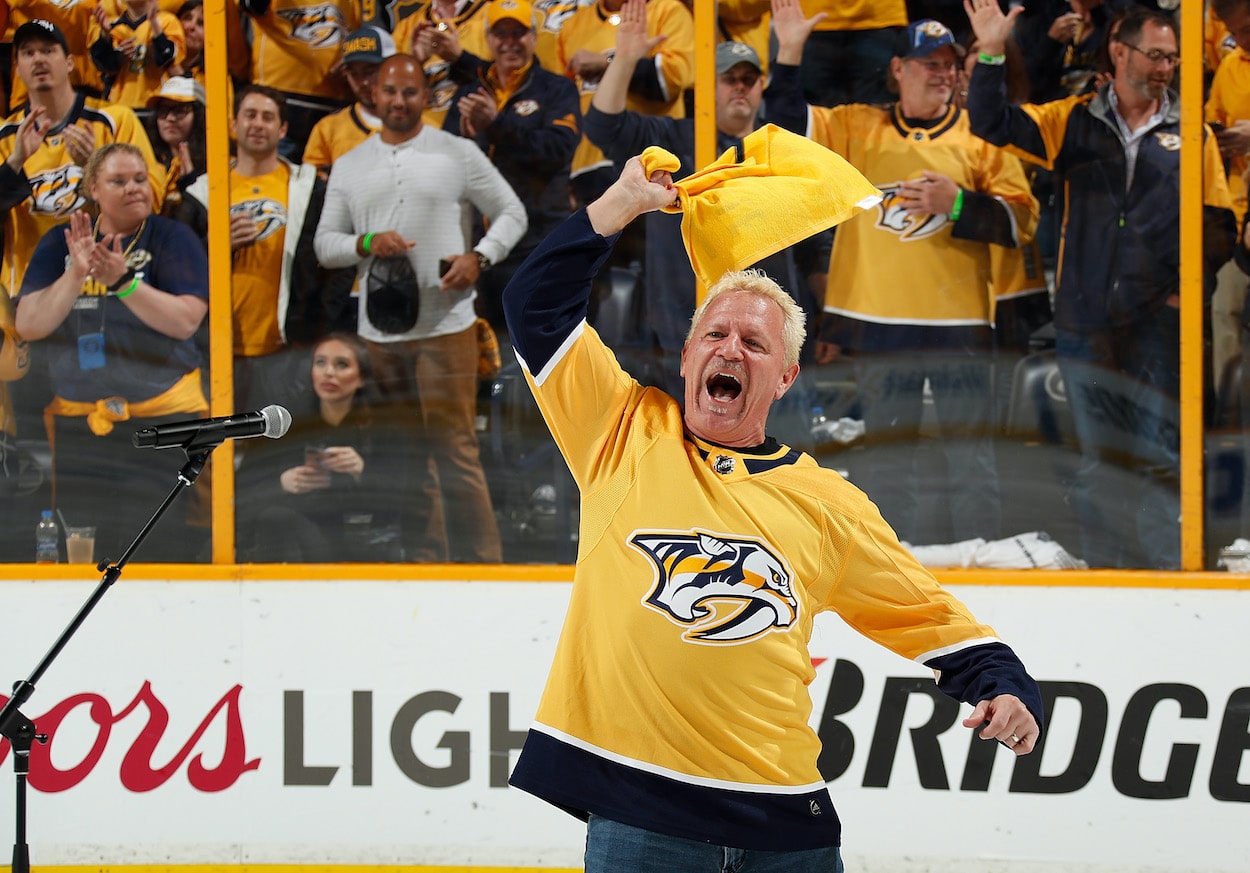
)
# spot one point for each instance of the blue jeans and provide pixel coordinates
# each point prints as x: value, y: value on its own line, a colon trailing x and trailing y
x: 897, y: 474
x: 1122, y: 387
x: 612, y: 847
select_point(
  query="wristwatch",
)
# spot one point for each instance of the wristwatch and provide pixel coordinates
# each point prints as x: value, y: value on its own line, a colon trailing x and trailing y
x: 483, y: 262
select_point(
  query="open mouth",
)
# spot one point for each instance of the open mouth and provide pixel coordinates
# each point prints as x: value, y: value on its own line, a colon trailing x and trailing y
x: 723, y: 387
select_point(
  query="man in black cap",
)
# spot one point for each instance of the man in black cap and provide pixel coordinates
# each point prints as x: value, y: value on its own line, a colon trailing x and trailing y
x: 44, y: 144
x: 363, y: 52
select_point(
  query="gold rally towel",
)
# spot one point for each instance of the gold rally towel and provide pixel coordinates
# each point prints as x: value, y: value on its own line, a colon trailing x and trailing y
x: 776, y: 189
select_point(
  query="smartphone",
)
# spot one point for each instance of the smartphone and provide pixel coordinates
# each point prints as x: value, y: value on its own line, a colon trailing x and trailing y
x: 444, y: 264
x: 312, y: 457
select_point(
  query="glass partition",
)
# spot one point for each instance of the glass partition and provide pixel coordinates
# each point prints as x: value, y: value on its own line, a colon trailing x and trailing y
x: 1015, y: 444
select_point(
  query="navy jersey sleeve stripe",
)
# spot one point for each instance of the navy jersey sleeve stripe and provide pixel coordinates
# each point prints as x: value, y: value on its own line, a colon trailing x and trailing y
x: 547, y: 297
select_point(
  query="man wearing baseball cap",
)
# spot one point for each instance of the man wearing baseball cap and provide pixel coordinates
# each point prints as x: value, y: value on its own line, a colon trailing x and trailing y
x: 73, y: 24
x: 45, y: 144
x: 910, y: 285
x: 340, y: 132
x: 528, y: 122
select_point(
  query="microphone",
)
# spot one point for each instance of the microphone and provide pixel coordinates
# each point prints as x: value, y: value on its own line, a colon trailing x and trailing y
x: 272, y: 422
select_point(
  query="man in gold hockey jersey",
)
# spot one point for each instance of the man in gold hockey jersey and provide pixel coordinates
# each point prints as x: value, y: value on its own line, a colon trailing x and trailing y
x: 45, y: 145
x: 364, y: 51
x: 910, y: 295
x: 676, y: 717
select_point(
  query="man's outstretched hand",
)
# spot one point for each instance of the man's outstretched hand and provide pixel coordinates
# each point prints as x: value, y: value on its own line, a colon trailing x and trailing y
x: 1005, y: 718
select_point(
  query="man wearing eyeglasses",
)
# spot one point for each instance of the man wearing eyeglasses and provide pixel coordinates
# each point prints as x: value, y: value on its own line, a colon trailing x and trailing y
x: 909, y: 297
x: 1116, y: 156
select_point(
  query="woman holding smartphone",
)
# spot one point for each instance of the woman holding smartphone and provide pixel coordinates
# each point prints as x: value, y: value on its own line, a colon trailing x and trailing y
x: 325, y: 492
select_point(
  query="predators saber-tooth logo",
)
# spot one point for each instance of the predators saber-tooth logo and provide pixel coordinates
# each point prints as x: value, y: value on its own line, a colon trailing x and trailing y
x: 318, y: 26
x: 269, y: 215
x: 724, y: 590
x: 55, y: 192
x: 893, y: 217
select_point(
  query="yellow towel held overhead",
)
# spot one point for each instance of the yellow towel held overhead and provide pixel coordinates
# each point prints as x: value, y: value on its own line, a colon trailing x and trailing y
x: 751, y: 202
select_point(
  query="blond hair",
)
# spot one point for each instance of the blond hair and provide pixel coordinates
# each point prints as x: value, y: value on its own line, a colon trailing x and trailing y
x: 102, y: 154
x: 757, y: 283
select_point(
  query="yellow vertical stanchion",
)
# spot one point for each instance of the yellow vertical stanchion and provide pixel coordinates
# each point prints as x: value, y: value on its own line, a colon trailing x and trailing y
x: 1191, y: 287
x: 221, y: 364
x: 704, y: 93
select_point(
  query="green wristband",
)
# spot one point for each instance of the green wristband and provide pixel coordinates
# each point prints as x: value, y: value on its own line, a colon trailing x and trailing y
x: 992, y: 60
x: 958, y: 206
x: 130, y: 289
x: 364, y: 243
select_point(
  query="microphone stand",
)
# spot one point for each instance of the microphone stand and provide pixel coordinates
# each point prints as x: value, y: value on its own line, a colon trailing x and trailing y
x: 20, y: 730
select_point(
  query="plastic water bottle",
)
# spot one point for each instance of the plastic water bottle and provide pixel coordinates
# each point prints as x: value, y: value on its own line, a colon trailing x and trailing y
x: 47, y: 539
x: 821, y: 427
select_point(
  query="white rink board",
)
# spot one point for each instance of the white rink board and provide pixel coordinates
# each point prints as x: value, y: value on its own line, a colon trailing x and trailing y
x: 404, y: 687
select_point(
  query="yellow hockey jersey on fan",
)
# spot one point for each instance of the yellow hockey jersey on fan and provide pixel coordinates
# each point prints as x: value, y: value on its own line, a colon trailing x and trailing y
x: 470, y: 25
x: 139, y: 77
x: 254, y: 291
x: 551, y: 15
x: 678, y: 699
x: 892, y: 268
x: 47, y: 190
x: 337, y: 134
x: 857, y: 14
x: 594, y: 28
x: 295, y: 44
x: 1227, y: 103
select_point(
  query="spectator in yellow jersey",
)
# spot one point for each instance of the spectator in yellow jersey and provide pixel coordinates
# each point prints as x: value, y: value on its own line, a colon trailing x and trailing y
x: 676, y: 716
x: 335, y: 135
x: 191, y: 17
x: 656, y: 84
x: 296, y: 45
x: 280, y: 296
x: 910, y: 294
x: 45, y: 145
x: 1228, y: 112
x: 136, y: 51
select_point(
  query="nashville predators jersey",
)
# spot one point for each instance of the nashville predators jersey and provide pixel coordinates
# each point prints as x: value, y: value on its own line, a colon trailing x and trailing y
x: 1227, y: 103
x: 50, y: 190
x: 892, y: 268
x: 857, y: 14
x: 337, y: 134
x: 140, y: 76
x: 296, y: 42
x: 470, y: 25
x: 551, y: 15
x: 254, y: 293
x: 593, y: 28
x: 678, y: 698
